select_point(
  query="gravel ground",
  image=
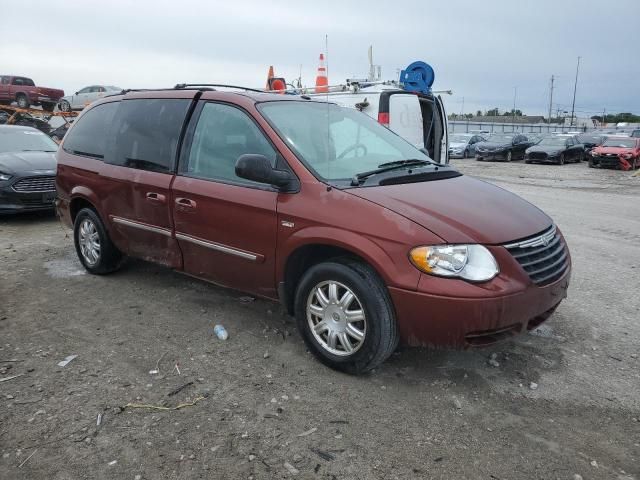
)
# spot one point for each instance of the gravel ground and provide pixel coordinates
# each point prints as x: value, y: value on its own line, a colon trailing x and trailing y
x: 561, y: 403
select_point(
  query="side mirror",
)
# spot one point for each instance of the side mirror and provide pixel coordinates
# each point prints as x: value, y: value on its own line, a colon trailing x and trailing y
x: 257, y: 168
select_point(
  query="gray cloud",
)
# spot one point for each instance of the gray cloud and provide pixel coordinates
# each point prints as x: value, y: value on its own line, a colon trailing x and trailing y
x: 481, y: 50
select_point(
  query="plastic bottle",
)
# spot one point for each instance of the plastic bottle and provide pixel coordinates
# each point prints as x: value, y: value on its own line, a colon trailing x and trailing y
x: 220, y: 332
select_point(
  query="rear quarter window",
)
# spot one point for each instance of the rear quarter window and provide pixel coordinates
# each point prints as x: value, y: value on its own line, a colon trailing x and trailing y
x: 146, y: 132
x: 89, y: 135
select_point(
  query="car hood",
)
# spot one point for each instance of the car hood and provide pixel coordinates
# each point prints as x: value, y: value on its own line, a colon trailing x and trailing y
x: 491, y: 145
x: 545, y: 148
x: 457, y: 144
x: 41, y: 163
x: 461, y: 209
x: 615, y: 150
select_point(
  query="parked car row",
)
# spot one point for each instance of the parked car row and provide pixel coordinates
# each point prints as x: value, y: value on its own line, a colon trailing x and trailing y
x: 559, y: 148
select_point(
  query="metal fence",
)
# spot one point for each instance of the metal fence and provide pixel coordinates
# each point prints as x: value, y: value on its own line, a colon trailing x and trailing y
x: 463, y: 126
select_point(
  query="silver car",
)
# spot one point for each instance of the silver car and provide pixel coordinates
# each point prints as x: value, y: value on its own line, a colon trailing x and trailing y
x: 84, y: 97
x: 463, y: 145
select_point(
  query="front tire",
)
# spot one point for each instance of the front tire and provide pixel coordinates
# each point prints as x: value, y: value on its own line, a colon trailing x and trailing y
x: 561, y: 160
x: 96, y: 251
x: 345, y: 316
x: 48, y: 107
x: 509, y: 156
x: 64, y: 106
x: 22, y: 101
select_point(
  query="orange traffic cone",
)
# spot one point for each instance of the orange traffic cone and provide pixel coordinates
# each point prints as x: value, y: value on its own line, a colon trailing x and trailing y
x: 270, y: 75
x: 322, y: 82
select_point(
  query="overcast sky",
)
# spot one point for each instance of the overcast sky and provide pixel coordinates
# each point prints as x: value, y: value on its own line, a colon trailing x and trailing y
x: 480, y: 50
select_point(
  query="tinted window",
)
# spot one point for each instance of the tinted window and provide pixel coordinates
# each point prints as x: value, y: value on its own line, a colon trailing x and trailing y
x: 89, y: 136
x: 85, y: 90
x: 145, y: 133
x: 222, y: 134
x: 5, y: 80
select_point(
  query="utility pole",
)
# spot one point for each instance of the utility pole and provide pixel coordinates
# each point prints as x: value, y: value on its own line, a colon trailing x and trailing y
x: 575, y: 86
x: 515, y: 93
x: 551, y: 99
x: 462, y: 109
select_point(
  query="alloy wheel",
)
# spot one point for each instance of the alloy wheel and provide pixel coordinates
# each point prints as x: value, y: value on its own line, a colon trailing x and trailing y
x: 89, y: 241
x: 336, y: 318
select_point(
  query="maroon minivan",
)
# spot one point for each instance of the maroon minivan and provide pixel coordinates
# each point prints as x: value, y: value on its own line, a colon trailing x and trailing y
x: 360, y: 235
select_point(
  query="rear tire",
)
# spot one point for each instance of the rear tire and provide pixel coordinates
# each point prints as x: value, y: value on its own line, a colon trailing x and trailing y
x: 561, y: 161
x: 509, y: 156
x: 95, y: 250
x: 22, y: 101
x: 327, y: 321
x: 48, y: 107
x: 465, y: 154
x: 64, y: 106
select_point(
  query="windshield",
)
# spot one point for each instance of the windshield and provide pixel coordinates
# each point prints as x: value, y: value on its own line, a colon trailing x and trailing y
x: 553, y: 141
x: 459, y: 138
x: 335, y: 142
x: 589, y: 139
x: 500, y: 138
x: 619, y: 142
x: 21, y: 139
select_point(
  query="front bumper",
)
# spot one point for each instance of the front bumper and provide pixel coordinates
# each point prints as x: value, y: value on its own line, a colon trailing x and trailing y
x: 457, y: 322
x: 499, y: 155
x: 16, y: 202
x: 606, y: 161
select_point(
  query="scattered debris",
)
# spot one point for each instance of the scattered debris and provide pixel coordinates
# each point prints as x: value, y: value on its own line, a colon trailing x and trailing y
x: 176, y: 368
x: 160, y: 407
x: 246, y: 299
x: 577, y: 477
x: 533, y: 386
x: 266, y: 355
x: 179, y: 389
x: 615, y: 358
x: 457, y: 403
x: 594, y: 463
x: 345, y: 422
x: 308, y: 432
x: 438, y: 459
x: 220, y: 332
x: 27, y: 459
x: 99, y: 420
x: 154, y: 372
x: 292, y: 470
x: 494, y: 363
x: 112, y: 463
x: 323, y: 455
x: 66, y: 361
x: 13, y: 360
x: 252, y: 458
x: 6, y: 379
x: 634, y: 355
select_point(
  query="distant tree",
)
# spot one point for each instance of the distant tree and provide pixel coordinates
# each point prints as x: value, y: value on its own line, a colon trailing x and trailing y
x: 468, y: 115
x: 479, y: 113
x: 510, y: 113
x: 493, y: 112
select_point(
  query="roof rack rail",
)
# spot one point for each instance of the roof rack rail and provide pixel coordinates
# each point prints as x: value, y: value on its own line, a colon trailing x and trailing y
x: 180, y: 86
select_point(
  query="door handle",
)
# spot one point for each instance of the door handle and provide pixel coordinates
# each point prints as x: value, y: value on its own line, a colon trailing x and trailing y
x: 185, y: 203
x: 156, y: 197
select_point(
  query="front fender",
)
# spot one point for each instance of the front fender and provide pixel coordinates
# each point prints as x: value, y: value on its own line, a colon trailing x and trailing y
x: 387, y: 257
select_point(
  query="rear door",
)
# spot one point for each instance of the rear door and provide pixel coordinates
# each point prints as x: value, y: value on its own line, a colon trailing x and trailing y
x: 226, y: 226
x: 5, y: 91
x: 405, y: 118
x: 444, y: 140
x: 137, y: 174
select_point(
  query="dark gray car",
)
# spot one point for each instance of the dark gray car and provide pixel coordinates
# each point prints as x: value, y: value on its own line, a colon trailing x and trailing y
x: 27, y: 170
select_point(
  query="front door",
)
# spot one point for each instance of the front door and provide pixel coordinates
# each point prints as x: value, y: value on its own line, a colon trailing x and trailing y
x: 226, y: 226
x: 137, y: 176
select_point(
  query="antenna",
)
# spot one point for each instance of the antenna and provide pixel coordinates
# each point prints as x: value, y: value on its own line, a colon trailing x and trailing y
x: 551, y: 99
x: 575, y: 87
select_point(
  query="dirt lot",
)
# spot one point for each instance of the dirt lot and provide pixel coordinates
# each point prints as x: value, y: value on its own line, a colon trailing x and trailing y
x: 563, y: 403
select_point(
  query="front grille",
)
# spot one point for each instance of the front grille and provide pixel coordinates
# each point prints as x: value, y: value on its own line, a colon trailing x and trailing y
x: 544, y: 257
x: 35, y: 184
x: 538, y: 155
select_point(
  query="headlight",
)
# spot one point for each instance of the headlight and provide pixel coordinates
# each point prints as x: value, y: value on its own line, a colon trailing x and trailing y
x: 4, y: 177
x: 470, y: 262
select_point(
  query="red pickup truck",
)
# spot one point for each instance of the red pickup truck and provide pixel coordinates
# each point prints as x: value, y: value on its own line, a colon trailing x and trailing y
x: 24, y: 92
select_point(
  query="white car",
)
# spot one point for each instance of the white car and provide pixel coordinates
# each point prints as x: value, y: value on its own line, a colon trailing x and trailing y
x: 84, y: 97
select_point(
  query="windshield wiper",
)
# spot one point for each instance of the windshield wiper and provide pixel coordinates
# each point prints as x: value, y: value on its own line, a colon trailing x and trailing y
x: 386, y: 167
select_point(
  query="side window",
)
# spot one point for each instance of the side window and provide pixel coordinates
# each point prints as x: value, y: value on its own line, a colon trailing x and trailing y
x: 5, y: 80
x: 145, y: 133
x: 222, y: 134
x: 17, y: 81
x: 89, y: 136
x: 84, y: 90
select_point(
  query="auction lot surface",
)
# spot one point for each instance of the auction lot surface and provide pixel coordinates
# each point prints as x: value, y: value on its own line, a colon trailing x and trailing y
x: 552, y: 405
